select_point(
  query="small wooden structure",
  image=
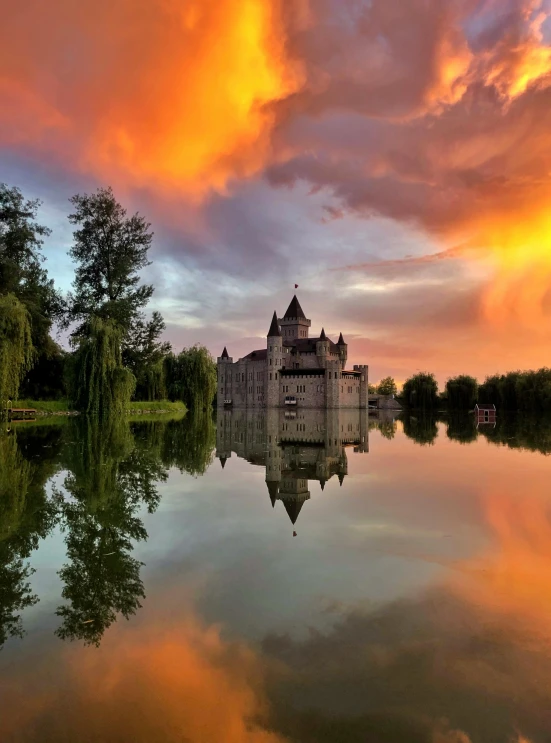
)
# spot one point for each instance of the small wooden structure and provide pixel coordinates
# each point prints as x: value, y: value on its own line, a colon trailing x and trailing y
x: 485, y: 414
x: 15, y: 414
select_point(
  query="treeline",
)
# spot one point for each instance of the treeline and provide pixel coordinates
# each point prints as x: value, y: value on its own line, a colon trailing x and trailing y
x: 117, y: 352
x: 525, y: 432
x: 518, y: 391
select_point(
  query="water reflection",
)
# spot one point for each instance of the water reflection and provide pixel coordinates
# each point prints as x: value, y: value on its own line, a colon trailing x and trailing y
x: 414, y: 609
x: 293, y: 447
x: 26, y: 517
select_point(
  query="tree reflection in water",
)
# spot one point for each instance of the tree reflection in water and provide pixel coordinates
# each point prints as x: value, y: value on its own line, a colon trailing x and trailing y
x: 114, y: 470
x: 26, y: 517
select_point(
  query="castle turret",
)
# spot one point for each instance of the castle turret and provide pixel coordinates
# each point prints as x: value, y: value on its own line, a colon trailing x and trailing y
x: 343, y: 351
x: 224, y: 364
x: 294, y: 324
x: 322, y: 349
x: 274, y: 360
x: 364, y: 384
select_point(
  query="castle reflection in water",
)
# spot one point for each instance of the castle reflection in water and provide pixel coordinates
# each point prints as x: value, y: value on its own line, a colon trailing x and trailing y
x: 294, y: 447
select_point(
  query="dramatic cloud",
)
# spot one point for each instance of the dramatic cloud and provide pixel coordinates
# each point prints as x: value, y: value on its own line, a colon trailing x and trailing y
x: 272, y: 141
x: 170, y: 92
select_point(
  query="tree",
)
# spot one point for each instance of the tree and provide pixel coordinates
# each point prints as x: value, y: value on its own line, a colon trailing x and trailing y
x: 143, y: 353
x: 16, y: 349
x: 420, y: 392
x: 387, y: 386
x: 462, y: 392
x: 21, y: 271
x: 98, y: 382
x: 192, y: 377
x: 110, y: 250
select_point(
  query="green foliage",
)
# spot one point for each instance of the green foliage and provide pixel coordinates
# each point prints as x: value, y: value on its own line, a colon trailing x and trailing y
x: 387, y: 386
x: 26, y: 516
x: 461, y: 392
x: 521, y: 431
x: 387, y: 428
x: 16, y: 349
x: 98, y: 382
x: 371, y: 389
x: 110, y: 250
x: 111, y: 477
x: 46, y: 379
x: 420, y: 392
x: 462, y: 428
x: 422, y: 429
x: 21, y: 271
x: 189, y: 444
x: 143, y: 353
x: 191, y: 377
x: 524, y: 391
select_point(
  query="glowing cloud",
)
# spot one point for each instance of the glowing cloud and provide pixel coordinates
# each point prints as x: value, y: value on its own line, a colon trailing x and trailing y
x: 164, y: 92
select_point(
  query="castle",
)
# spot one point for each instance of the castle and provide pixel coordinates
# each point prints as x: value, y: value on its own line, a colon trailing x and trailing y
x: 293, y: 370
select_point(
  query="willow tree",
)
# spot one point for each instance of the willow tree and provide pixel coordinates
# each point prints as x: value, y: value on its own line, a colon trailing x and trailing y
x: 99, y: 383
x: 16, y: 348
x: 191, y: 377
x: 462, y: 392
x: 420, y: 392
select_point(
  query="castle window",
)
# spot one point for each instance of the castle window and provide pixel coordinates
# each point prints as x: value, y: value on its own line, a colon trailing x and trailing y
x: 270, y: 376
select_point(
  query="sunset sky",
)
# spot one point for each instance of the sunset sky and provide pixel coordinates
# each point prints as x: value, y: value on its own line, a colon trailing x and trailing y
x: 392, y: 157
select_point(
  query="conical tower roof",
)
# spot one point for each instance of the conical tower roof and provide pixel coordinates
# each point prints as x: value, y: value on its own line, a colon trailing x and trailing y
x: 225, y: 354
x: 341, y: 478
x: 223, y: 461
x: 323, y: 337
x: 341, y: 341
x: 293, y: 508
x: 294, y: 310
x: 273, y: 489
x: 274, y: 330
x: 322, y: 483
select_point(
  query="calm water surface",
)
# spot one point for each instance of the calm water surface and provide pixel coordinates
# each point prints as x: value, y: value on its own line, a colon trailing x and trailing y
x: 267, y: 579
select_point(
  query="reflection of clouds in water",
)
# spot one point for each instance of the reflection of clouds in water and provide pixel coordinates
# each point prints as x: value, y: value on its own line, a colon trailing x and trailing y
x: 178, y: 684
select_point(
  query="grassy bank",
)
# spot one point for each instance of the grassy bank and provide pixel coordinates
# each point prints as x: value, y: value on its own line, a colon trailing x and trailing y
x: 136, y: 407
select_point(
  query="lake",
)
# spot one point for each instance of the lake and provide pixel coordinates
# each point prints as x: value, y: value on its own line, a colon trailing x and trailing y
x: 304, y: 577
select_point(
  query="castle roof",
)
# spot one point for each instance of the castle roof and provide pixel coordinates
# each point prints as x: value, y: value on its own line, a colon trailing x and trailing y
x: 225, y: 354
x: 274, y: 330
x: 294, y: 310
x: 293, y: 506
x: 260, y: 355
x: 323, y: 337
x: 273, y: 489
x: 308, y: 345
x: 341, y: 342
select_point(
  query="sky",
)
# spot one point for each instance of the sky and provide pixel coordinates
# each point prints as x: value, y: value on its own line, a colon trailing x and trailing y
x: 391, y: 157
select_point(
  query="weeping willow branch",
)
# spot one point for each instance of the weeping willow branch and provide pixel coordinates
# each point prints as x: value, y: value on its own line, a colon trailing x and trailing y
x: 16, y: 348
x: 98, y: 382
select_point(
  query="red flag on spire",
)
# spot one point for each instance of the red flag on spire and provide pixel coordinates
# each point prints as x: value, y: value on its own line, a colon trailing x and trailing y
x: 296, y: 286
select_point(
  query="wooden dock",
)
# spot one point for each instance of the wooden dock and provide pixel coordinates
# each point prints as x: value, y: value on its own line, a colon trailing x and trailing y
x: 21, y: 413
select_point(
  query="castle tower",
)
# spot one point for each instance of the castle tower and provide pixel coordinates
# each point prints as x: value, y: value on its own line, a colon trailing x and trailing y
x: 343, y: 351
x: 294, y: 324
x: 322, y: 350
x: 223, y: 435
x: 225, y: 381
x: 364, y: 388
x: 274, y: 362
x: 273, y: 454
x: 333, y: 383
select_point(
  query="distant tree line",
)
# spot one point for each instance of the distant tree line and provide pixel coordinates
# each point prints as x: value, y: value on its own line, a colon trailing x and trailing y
x: 517, y: 391
x: 117, y: 352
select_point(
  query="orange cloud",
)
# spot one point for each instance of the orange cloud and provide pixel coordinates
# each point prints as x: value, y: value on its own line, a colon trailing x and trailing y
x: 157, y: 684
x: 164, y: 92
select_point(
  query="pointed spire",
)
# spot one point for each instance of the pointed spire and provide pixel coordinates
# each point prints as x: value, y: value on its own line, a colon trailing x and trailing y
x: 274, y: 330
x: 323, y: 337
x: 225, y: 354
x: 322, y: 483
x: 273, y: 490
x: 341, y: 478
x: 223, y: 461
x: 294, y: 310
x: 341, y: 341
